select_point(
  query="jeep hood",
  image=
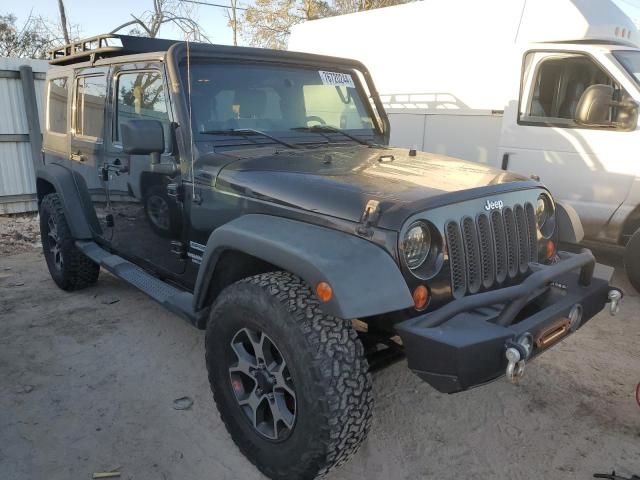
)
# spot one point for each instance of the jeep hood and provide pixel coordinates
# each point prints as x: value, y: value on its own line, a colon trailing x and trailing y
x: 340, y: 181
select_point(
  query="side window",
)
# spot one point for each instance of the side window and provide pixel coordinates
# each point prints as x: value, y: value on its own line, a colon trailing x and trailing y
x: 57, y: 98
x: 90, y: 98
x: 558, y: 84
x: 140, y: 95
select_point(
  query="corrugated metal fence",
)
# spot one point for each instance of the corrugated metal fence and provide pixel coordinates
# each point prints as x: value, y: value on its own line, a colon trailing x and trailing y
x: 21, y: 92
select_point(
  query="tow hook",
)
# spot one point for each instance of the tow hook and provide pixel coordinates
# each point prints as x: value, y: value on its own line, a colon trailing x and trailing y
x: 517, y: 353
x: 615, y: 298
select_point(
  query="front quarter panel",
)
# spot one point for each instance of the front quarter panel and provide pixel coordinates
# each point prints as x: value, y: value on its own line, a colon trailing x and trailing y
x: 365, y: 279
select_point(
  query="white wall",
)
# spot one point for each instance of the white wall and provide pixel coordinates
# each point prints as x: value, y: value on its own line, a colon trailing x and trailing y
x: 471, y: 136
x: 17, y: 175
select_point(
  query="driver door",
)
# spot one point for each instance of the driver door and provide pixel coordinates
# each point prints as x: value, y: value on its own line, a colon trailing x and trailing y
x: 585, y: 166
x: 148, y: 218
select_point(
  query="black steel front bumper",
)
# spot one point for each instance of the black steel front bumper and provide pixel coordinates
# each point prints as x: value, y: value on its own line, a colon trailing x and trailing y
x: 463, y: 344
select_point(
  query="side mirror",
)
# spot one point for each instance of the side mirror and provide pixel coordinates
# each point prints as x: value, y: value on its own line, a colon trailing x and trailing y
x: 143, y: 137
x: 594, y: 106
x: 594, y: 109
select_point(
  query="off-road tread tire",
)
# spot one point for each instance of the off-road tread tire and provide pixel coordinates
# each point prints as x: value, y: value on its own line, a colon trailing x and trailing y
x: 338, y: 367
x: 632, y: 260
x: 175, y: 221
x: 78, y: 271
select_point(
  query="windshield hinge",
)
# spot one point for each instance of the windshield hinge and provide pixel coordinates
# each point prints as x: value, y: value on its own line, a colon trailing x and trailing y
x: 369, y: 218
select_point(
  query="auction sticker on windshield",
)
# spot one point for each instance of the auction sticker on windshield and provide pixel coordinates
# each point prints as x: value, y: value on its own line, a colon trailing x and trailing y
x: 336, y: 79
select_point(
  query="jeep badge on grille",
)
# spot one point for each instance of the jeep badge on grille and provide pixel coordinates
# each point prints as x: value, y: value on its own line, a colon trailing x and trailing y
x: 493, y: 205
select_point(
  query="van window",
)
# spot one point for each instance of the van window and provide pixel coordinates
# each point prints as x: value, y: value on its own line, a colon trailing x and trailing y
x: 58, y: 95
x: 559, y: 82
x: 140, y: 95
x: 90, y: 97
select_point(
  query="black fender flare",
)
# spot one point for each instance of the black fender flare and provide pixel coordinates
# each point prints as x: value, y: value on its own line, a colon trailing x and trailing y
x: 570, y: 229
x: 365, y: 279
x: 73, y: 192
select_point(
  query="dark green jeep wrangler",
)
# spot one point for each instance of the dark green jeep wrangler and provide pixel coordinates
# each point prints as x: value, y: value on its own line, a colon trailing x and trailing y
x: 252, y: 192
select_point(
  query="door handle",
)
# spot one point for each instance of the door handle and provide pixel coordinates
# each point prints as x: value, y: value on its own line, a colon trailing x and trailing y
x: 77, y: 157
x: 505, y: 161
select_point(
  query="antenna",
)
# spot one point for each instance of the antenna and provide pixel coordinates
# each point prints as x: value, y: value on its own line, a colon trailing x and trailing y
x: 192, y: 144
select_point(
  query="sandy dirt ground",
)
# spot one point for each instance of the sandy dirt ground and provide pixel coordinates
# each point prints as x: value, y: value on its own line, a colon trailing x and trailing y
x: 88, y: 382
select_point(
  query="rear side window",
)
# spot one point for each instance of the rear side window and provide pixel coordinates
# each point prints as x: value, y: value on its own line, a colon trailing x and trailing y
x: 140, y: 96
x: 90, y: 98
x: 58, y: 96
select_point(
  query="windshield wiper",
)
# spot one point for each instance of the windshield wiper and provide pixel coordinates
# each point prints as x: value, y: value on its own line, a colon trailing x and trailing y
x: 329, y: 128
x: 248, y: 131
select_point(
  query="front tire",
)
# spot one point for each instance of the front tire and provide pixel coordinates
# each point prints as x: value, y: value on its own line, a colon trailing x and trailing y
x: 291, y: 383
x: 68, y: 266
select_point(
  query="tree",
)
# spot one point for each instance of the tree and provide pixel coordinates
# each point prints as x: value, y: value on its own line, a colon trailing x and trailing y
x: 31, y: 40
x: 148, y: 24
x: 267, y: 23
x: 232, y: 16
x: 64, y: 25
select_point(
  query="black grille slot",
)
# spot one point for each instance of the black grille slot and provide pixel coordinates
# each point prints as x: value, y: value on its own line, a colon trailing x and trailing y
x: 472, y: 254
x: 523, y: 239
x: 511, y: 235
x: 500, y: 239
x: 456, y: 259
x: 486, y: 251
x: 493, y: 247
x: 532, y: 227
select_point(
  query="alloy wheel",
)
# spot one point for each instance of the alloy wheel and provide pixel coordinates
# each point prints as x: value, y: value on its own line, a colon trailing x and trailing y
x: 262, y: 384
x: 158, y: 210
x: 54, y: 244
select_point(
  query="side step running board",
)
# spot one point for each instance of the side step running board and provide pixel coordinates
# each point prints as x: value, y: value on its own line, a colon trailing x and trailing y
x: 172, y: 298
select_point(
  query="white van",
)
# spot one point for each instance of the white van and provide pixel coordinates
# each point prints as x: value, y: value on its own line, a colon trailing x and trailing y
x: 547, y: 88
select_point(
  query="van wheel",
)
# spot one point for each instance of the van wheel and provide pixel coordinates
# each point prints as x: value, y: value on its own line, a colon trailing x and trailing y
x: 291, y: 383
x: 68, y: 266
x: 632, y: 260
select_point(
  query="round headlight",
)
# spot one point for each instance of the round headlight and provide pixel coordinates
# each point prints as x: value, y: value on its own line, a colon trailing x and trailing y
x: 416, y: 245
x: 544, y: 212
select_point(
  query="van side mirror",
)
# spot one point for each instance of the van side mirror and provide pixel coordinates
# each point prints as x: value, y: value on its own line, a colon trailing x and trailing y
x: 594, y: 109
x: 143, y: 137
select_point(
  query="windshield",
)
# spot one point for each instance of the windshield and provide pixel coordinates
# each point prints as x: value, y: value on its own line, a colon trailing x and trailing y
x: 630, y: 60
x: 269, y: 98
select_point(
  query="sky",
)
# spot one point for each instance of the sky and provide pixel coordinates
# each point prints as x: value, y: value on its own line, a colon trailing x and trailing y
x: 100, y: 16
x: 95, y: 17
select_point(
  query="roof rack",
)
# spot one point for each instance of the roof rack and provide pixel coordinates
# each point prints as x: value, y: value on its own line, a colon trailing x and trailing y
x: 105, y: 45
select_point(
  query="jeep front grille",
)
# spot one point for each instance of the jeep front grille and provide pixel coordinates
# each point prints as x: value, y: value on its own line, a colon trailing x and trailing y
x: 493, y: 247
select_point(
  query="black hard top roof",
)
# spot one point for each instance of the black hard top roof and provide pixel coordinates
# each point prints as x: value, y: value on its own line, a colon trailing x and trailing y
x: 111, y: 45
x: 107, y: 45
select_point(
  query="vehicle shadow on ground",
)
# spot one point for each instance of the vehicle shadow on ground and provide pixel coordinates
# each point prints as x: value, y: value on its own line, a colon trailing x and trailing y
x: 89, y: 381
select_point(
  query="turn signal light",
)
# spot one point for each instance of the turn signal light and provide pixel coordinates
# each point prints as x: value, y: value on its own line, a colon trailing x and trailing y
x: 420, y: 297
x: 324, y: 291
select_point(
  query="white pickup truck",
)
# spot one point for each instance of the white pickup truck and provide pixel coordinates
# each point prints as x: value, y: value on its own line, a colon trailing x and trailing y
x: 547, y: 88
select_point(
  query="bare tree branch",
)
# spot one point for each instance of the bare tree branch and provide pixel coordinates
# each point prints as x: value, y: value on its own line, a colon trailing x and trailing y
x: 267, y: 23
x: 63, y: 21
x: 150, y: 22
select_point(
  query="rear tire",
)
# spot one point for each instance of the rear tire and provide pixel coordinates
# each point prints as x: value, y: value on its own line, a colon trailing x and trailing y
x: 325, y: 386
x: 162, y: 212
x: 68, y: 266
